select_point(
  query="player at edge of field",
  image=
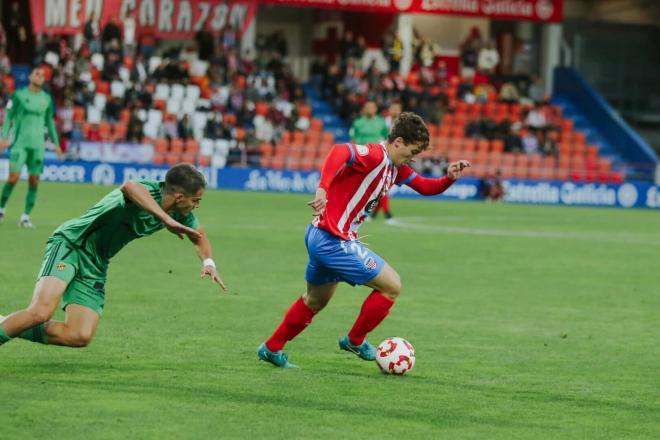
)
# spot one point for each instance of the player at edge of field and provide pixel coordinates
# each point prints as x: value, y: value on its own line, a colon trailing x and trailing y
x: 29, y: 111
x: 353, y: 180
x: 75, y: 264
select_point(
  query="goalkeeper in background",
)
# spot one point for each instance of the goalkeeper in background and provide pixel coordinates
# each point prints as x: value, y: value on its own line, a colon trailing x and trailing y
x: 29, y: 112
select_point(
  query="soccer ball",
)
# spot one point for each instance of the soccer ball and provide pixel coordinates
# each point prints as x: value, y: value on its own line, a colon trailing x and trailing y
x: 395, y: 356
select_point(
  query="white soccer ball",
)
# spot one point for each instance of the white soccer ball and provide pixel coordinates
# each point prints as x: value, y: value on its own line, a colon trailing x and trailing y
x: 395, y: 356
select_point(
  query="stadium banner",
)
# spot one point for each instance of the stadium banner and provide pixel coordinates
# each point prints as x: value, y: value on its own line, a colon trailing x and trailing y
x: 626, y: 195
x: 529, y: 10
x: 120, y: 152
x: 101, y: 173
x: 166, y: 18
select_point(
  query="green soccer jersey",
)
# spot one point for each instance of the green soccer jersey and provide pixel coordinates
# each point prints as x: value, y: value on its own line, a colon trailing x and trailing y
x: 28, y: 114
x: 115, y: 221
x: 369, y: 130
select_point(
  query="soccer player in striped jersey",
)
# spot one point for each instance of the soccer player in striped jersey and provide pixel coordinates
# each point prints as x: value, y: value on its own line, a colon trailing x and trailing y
x: 353, y: 179
x: 78, y: 253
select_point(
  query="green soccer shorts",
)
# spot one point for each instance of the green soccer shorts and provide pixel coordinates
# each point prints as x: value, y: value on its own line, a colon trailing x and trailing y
x: 32, y: 157
x: 85, y: 282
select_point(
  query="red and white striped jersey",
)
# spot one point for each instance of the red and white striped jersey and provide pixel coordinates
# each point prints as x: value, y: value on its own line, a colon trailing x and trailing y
x: 365, y: 177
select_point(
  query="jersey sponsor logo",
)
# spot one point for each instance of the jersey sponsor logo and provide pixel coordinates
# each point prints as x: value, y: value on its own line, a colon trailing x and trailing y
x: 372, y: 205
x: 362, y: 150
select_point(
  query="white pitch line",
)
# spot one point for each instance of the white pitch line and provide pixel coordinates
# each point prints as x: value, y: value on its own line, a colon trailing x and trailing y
x: 625, y: 237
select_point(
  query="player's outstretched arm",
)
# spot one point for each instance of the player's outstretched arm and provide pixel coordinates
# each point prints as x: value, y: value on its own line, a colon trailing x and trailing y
x: 430, y: 187
x: 205, y: 253
x: 138, y: 194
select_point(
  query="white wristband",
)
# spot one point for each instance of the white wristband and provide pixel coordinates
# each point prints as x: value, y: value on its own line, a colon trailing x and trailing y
x: 208, y: 262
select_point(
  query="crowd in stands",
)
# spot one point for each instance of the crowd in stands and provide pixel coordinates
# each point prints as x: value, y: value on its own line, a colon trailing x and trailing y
x: 503, y: 123
x: 208, y: 103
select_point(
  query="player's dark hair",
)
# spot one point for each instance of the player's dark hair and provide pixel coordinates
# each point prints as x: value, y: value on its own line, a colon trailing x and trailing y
x: 411, y: 128
x: 184, y: 178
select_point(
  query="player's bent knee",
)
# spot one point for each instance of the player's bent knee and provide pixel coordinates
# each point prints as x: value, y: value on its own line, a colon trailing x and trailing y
x: 316, y: 304
x: 82, y: 338
x: 394, y: 288
x: 39, y: 315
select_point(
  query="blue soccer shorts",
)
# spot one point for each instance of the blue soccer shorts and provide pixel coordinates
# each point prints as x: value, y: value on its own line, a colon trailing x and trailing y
x: 332, y: 259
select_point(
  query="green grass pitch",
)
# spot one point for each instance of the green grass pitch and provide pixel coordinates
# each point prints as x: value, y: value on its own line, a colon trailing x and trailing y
x: 529, y: 322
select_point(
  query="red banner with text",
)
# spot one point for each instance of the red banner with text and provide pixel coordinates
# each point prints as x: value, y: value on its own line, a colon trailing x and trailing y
x: 167, y: 18
x: 531, y: 10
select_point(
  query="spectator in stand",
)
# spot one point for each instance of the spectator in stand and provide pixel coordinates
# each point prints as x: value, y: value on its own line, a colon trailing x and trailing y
x: 393, y: 112
x: 185, y: 128
x: 169, y: 128
x: 536, y: 90
x: 147, y: 40
x: 489, y: 58
x: 394, y: 50
x: 470, y: 56
x: 530, y: 142
x: 491, y: 187
x: 93, y: 134
x: 65, y: 122
x: 535, y: 119
x: 16, y: 33
x: 111, y: 32
x: 135, y: 130
x: 277, y: 43
x: 512, y: 140
x: 347, y: 47
x: 3, y: 36
x: 548, y: 143
x: 509, y: 93
x: 91, y: 33
x: 427, y: 52
x: 229, y: 38
x: 113, y: 107
x: 130, y: 26
x: 205, y: 45
x: 5, y: 63
x: 139, y: 70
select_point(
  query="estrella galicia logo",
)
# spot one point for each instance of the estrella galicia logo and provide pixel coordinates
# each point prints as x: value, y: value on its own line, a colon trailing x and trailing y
x: 628, y: 195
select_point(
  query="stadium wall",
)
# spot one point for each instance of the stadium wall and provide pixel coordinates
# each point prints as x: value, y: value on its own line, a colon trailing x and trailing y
x: 627, y: 195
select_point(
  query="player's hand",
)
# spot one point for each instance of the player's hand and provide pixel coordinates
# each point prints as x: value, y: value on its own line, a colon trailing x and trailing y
x: 59, y: 152
x: 4, y: 143
x: 319, y: 202
x: 212, y: 273
x: 180, y: 230
x: 455, y: 169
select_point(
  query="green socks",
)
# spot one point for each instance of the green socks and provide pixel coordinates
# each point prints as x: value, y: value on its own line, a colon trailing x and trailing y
x: 3, y: 336
x: 30, y: 199
x: 6, y: 192
x: 35, y: 334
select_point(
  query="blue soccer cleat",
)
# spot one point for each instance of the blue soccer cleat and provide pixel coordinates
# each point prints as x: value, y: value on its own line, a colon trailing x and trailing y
x: 365, y: 350
x: 277, y: 358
